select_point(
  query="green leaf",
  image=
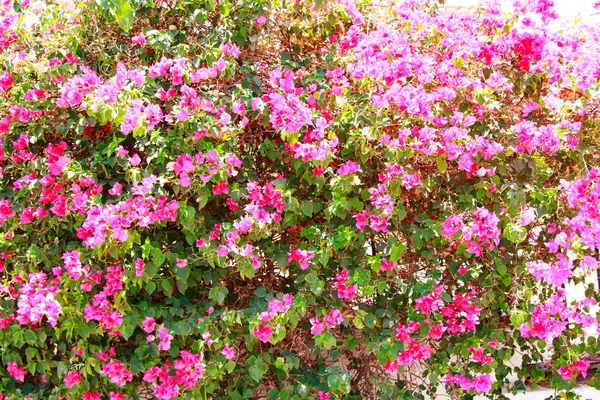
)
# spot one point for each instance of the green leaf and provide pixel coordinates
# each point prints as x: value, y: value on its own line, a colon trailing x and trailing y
x: 307, y: 208
x: 157, y: 256
x: 167, y: 287
x: 260, y: 292
x: 150, y: 269
x: 125, y: 15
x: 218, y: 294
x: 329, y: 341
x: 501, y: 268
x: 518, y: 318
x: 358, y: 322
x: 83, y: 330
x: 397, y: 251
x: 188, y: 217
x: 255, y: 373
x: 515, y: 233
x: 230, y: 366
x: 30, y: 337
x: 416, y: 240
x: 128, y: 326
x: 442, y: 165
x: 182, y: 273
x: 400, y: 211
x: 150, y: 287
x: 370, y: 321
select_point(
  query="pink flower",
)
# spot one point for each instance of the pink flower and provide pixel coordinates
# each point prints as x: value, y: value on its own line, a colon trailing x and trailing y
x: 317, y: 326
x: 91, y: 396
x: 16, y: 372
x: 451, y: 225
x: 181, y: 263
x: 182, y: 115
x: 263, y: 332
x: 527, y: 215
x: 228, y: 352
x: 569, y: 372
x: 436, y: 331
x: 222, y: 251
x: 410, y: 180
x: 6, y: 81
x: 149, y: 324
x: 139, y: 39
x: 220, y: 188
x: 302, y: 256
x: 479, y: 356
x: 139, y: 267
x: 387, y: 265
x: 117, y: 373
x: 116, y: 396
x: 482, y: 383
x: 121, y: 152
x: 206, y: 336
x: 116, y: 189
x: 135, y: 160
x: 27, y: 215
x: 165, y: 338
x: 334, y: 317
x: 323, y: 396
x: 231, y: 204
x: 73, y: 378
x: 260, y: 21
x: 168, y: 389
x: 348, y: 168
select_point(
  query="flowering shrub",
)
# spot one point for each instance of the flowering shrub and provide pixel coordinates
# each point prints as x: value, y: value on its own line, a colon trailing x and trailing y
x: 311, y: 199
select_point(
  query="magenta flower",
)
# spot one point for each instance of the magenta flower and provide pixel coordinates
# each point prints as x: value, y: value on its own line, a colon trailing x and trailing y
x: 16, y: 372
x: 568, y: 372
x: 387, y: 265
x: 260, y: 21
x: 167, y: 390
x: 135, y: 160
x: 139, y: 267
x: 117, y: 373
x: 527, y: 215
x: 182, y: 115
x: 334, y: 317
x: 140, y: 39
x: 302, y: 256
x: 348, y: 168
x: 116, y: 189
x: 165, y: 338
x: 149, y: 324
x: 323, y: 396
x: 317, y: 326
x: 91, y: 396
x: 6, y: 81
x: 121, y: 152
x: 228, y: 352
x: 220, y: 188
x: 73, y: 378
x: 263, y: 332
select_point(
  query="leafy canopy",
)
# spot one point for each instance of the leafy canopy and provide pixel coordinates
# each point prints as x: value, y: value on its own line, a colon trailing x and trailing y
x: 296, y: 199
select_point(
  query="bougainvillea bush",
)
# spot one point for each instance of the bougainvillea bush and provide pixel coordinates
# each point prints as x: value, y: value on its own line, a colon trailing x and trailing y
x: 215, y: 199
